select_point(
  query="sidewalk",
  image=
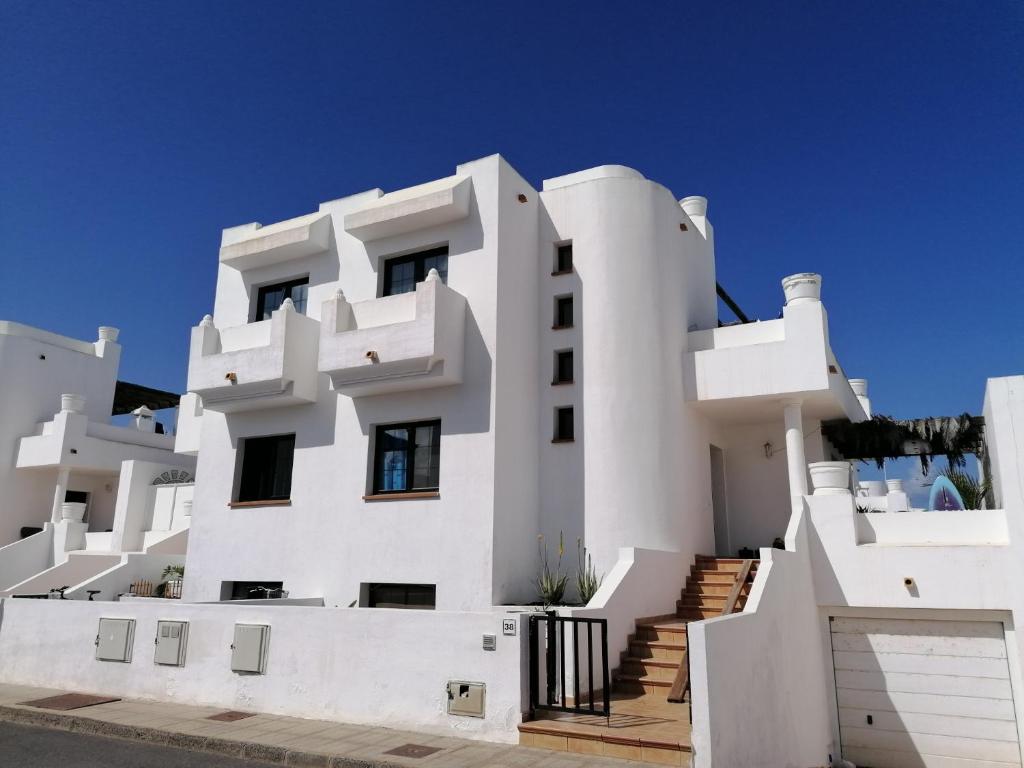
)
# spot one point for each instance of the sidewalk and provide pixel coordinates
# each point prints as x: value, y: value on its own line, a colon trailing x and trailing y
x: 277, y: 739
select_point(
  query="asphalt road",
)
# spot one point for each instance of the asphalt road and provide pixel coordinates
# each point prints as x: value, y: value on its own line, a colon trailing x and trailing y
x: 25, y: 746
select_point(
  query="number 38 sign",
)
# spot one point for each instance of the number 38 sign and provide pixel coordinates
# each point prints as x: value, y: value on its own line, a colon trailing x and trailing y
x: 508, y: 626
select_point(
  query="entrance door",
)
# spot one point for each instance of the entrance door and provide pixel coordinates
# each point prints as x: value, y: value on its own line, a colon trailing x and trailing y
x: 921, y: 693
x: 723, y: 547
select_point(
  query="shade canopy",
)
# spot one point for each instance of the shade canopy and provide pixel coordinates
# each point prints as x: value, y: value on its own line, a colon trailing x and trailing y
x: 128, y: 397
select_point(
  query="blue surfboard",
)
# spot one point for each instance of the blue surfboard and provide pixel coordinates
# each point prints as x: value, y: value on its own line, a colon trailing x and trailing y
x: 944, y: 495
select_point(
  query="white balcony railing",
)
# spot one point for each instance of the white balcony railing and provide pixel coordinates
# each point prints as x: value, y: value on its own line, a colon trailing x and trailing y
x: 395, y: 343
x: 259, y: 365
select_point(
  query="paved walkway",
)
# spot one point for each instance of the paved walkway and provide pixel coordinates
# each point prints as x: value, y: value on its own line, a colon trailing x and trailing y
x: 278, y: 739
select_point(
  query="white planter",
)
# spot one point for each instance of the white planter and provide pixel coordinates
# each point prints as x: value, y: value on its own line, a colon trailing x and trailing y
x: 859, y: 387
x: 694, y: 205
x: 894, y: 486
x: 73, y: 511
x: 871, y: 488
x: 186, y: 508
x: 108, y: 333
x: 802, y: 288
x: 72, y: 403
x: 830, y: 478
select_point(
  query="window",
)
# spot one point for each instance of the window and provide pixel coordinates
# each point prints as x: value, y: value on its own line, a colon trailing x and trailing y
x: 266, y: 468
x: 563, y: 367
x: 251, y: 590
x: 563, y: 259
x: 403, y: 272
x: 564, y: 428
x: 422, y: 596
x: 269, y: 298
x: 407, y: 457
x: 563, y: 312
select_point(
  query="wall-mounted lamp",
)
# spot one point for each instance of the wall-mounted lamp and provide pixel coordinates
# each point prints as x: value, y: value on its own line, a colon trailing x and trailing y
x: 371, y: 355
x: 521, y: 197
x: 682, y: 227
x: 908, y: 582
x: 232, y: 377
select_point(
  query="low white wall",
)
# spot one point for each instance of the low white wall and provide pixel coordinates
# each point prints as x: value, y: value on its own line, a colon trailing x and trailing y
x: 25, y: 558
x: 372, y: 666
x: 758, y: 677
x: 118, y: 578
x: 76, y: 569
x: 962, y: 527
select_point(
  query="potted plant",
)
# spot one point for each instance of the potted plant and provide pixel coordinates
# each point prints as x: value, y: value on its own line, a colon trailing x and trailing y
x: 171, y: 584
x: 830, y: 477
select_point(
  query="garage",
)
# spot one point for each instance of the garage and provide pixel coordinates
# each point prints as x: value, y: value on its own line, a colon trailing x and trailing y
x: 916, y: 693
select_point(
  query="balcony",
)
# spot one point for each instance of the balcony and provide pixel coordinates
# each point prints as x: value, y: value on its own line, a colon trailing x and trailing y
x: 396, y: 343
x: 260, y: 365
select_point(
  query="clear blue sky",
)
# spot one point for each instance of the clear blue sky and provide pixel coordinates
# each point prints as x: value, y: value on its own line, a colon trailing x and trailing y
x: 877, y: 143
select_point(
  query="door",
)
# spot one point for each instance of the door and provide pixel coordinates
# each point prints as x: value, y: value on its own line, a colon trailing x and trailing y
x: 723, y: 546
x: 915, y: 693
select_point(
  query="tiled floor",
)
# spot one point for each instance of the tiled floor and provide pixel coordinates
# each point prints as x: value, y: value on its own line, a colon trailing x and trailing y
x: 292, y: 738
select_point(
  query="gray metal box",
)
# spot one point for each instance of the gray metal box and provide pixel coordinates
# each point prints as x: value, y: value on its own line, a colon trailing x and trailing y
x: 114, y: 640
x: 466, y: 699
x: 249, y: 650
x: 171, y: 639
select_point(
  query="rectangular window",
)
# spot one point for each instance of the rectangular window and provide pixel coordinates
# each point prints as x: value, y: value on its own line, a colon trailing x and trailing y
x: 403, y: 272
x: 563, y: 259
x: 421, y: 596
x: 563, y: 367
x: 407, y: 457
x: 564, y: 427
x: 563, y: 312
x: 266, y: 468
x: 269, y: 298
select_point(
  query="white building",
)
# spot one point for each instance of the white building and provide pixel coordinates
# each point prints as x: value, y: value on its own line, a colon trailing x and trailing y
x: 395, y: 395
x: 70, y: 511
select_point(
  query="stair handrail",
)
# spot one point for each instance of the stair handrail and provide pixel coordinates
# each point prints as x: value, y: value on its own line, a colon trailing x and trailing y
x: 681, y: 683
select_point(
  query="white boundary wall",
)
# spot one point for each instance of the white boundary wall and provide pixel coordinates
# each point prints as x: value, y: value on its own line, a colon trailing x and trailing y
x: 377, y: 667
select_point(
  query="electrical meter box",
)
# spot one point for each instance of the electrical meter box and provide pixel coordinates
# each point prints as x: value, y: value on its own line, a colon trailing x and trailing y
x: 466, y: 699
x: 114, y: 640
x: 249, y: 650
x: 171, y: 639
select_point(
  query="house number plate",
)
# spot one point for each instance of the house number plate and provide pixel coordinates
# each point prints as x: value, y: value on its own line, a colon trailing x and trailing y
x: 508, y: 626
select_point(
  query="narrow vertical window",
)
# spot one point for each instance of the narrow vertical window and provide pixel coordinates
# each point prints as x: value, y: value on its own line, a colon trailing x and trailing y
x: 407, y: 457
x: 563, y: 312
x: 563, y: 367
x: 563, y: 259
x: 564, y: 425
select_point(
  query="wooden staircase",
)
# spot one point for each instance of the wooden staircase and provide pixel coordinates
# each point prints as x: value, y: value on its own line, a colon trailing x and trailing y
x: 657, y: 650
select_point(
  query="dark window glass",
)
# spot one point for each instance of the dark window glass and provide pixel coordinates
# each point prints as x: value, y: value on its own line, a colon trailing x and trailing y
x: 270, y: 297
x: 79, y: 497
x: 403, y: 272
x: 564, y: 429
x: 266, y: 468
x: 563, y: 312
x: 563, y: 258
x: 422, y: 596
x: 251, y: 590
x: 407, y: 457
x: 563, y: 366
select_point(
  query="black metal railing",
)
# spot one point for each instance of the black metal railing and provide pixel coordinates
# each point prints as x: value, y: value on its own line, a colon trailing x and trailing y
x: 550, y: 650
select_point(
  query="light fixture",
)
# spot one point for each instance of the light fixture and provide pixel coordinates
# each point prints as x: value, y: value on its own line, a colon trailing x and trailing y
x: 371, y: 355
x: 232, y: 377
x: 521, y: 197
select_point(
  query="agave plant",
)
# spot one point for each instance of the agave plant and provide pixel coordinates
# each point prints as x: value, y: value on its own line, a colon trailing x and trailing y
x: 972, y: 490
x: 551, y: 584
x: 587, y: 580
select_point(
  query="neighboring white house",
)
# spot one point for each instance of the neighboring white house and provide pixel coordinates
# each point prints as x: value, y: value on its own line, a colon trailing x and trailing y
x: 395, y: 396
x: 67, y: 472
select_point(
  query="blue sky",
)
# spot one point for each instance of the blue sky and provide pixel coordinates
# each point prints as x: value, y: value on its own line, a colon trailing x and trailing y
x: 877, y: 143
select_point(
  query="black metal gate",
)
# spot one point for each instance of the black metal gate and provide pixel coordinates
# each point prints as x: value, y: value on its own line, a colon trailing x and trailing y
x: 552, y: 646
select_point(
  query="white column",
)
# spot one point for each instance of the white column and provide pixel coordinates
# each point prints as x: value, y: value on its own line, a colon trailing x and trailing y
x: 58, y: 494
x: 796, y: 461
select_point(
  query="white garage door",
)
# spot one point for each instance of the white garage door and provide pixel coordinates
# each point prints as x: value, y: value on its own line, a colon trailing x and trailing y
x: 924, y: 694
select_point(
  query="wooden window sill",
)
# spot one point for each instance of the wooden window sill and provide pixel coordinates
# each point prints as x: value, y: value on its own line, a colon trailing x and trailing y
x: 562, y: 383
x: 563, y: 440
x: 402, y: 496
x: 261, y: 503
x: 558, y: 272
x: 560, y: 327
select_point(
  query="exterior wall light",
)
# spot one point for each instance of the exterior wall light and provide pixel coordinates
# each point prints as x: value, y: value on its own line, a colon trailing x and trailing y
x: 232, y: 377
x: 371, y: 355
x: 521, y: 197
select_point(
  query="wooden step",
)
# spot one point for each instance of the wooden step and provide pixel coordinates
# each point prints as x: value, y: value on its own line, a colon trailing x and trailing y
x: 690, y: 613
x: 648, y: 668
x: 674, y: 632
x: 642, y: 649
x: 712, y: 588
x: 712, y: 577
x: 720, y: 566
x: 626, y: 683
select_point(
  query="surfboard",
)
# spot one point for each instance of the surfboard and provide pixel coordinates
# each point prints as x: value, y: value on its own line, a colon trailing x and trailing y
x: 944, y: 495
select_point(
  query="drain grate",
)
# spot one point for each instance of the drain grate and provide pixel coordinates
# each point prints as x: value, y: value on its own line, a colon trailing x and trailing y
x: 412, y: 750
x: 68, y: 701
x: 230, y: 716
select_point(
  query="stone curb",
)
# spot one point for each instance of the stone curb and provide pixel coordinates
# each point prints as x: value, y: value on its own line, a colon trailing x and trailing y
x: 229, y: 747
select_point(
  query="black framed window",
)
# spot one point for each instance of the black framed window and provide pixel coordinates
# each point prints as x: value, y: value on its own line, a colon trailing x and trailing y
x: 563, y: 367
x: 269, y: 298
x: 266, y: 468
x: 401, y: 273
x: 422, y: 596
x: 563, y: 312
x: 407, y: 457
x: 251, y: 590
x: 563, y: 259
x: 564, y: 425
